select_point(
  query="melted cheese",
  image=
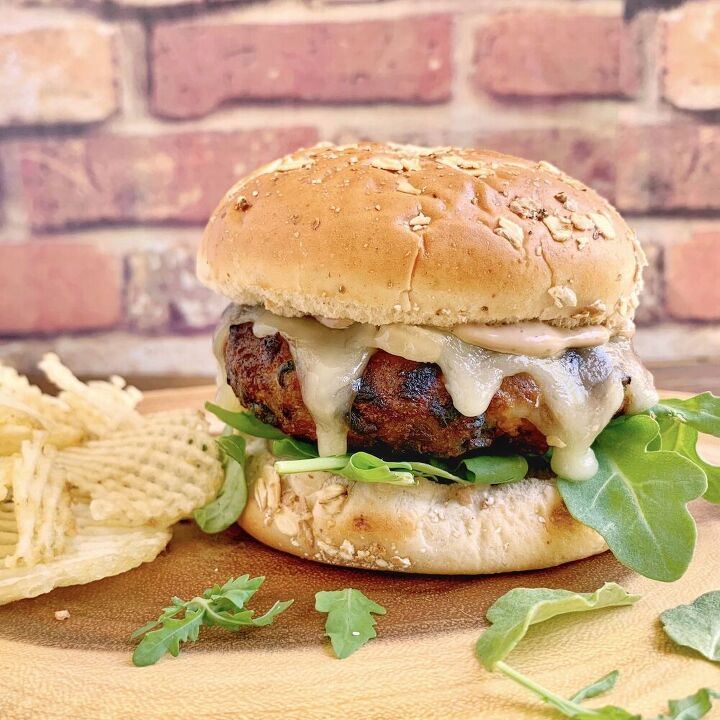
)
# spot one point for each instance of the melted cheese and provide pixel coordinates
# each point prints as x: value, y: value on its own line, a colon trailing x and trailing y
x: 327, y: 362
x: 233, y: 315
x: 580, y: 389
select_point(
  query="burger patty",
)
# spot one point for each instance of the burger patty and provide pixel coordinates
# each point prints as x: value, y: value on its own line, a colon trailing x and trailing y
x: 401, y: 407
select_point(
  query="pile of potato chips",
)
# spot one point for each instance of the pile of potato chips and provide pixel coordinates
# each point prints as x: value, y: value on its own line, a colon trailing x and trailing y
x: 89, y: 487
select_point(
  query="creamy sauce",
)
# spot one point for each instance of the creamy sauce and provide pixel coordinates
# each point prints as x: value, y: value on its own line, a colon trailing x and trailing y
x: 580, y: 389
x: 531, y: 338
x: 334, y: 323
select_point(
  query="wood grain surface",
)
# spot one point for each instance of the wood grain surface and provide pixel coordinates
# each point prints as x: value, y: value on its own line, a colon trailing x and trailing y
x: 420, y: 666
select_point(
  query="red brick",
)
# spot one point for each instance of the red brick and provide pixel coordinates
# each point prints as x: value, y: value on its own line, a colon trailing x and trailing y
x: 691, y: 271
x: 668, y: 167
x: 46, y: 76
x: 178, y: 177
x: 162, y: 291
x: 541, y: 53
x: 690, y: 56
x: 584, y: 154
x: 652, y: 301
x: 56, y: 286
x: 404, y: 59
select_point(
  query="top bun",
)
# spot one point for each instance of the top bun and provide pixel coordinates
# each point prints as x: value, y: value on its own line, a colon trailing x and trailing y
x: 384, y: 233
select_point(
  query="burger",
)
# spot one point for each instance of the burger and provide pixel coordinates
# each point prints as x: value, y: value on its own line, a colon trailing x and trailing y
x: 422, y: 345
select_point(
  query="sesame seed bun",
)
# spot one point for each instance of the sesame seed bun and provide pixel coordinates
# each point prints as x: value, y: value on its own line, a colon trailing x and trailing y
x: 383, y: 233
x: 430, y: 528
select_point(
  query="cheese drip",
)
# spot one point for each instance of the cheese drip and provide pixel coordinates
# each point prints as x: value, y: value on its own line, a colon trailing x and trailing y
x: 580, y: 390
x: 232, y: 315
x: 327, y: 362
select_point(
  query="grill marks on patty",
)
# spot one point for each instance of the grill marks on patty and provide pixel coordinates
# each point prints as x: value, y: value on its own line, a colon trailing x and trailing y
x: 400, y: 406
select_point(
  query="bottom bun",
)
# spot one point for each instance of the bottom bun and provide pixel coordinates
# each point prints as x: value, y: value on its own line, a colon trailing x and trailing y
x: 428, y: 528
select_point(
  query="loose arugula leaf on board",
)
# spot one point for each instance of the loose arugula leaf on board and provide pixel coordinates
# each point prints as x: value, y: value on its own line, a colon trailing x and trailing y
x: 223, y: 606
x: 569, y: 708
x: 350, y: 622
x: 220, y: 513
x: 638, y: 499
x: 246, y: 422
x: 682, y: 438
x: 168, y: 638
x: 513, y: 614
x: 605, y: 683
x: 693, y: 707
x: 518, y: 609
x: 696, y: 625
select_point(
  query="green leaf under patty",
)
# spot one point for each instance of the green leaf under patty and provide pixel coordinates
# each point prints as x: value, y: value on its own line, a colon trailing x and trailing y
x: 495, y: 469
x: 638, y: 499
x: 245, y: 422
x: 299, y: 456
x: 681, y: 422
x: 700, y: 411
x: 226, y: 508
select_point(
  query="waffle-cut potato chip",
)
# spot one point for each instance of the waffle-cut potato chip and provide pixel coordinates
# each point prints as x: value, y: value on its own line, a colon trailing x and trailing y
x: 24, y: 408
x: 41, y: 503
x: 8, y: 530
x: 93, y: 553
x: 99, y: 406
x: 154, y: 474
x: 7, y: 464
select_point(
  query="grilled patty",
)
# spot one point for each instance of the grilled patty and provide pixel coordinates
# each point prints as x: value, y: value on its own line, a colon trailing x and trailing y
x: 401, y: 407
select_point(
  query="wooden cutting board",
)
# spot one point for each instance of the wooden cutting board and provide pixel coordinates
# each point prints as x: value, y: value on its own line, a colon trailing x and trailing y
x: 421, y: 665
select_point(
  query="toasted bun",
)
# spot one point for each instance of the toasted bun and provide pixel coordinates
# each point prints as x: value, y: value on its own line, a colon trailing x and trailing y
x: 430, y: 528
x: 433, y: 236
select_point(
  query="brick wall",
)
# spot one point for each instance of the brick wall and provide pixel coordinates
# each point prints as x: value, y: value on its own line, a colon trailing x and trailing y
x: 123, y: 121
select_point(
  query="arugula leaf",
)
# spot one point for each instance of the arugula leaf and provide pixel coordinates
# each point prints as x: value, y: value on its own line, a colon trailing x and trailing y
x: 701, y: 412
x: 246, y: 422
x: 223, y: 606
x: 517, y: 610
x: 364, y: 467
x: 696, y: 625
x: 435, y: 469
x: 220, y: 513
x: 569, y: 708
x: 173, y: 632
x: 605, y: 683
x: 294, y: 449
x: 693, y: 707
x: 638, y: 499
x: 682, y: 438
x: 360, y: 467
x: 513, y: 614
x: 349, y: 623
x: 495, y: 470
